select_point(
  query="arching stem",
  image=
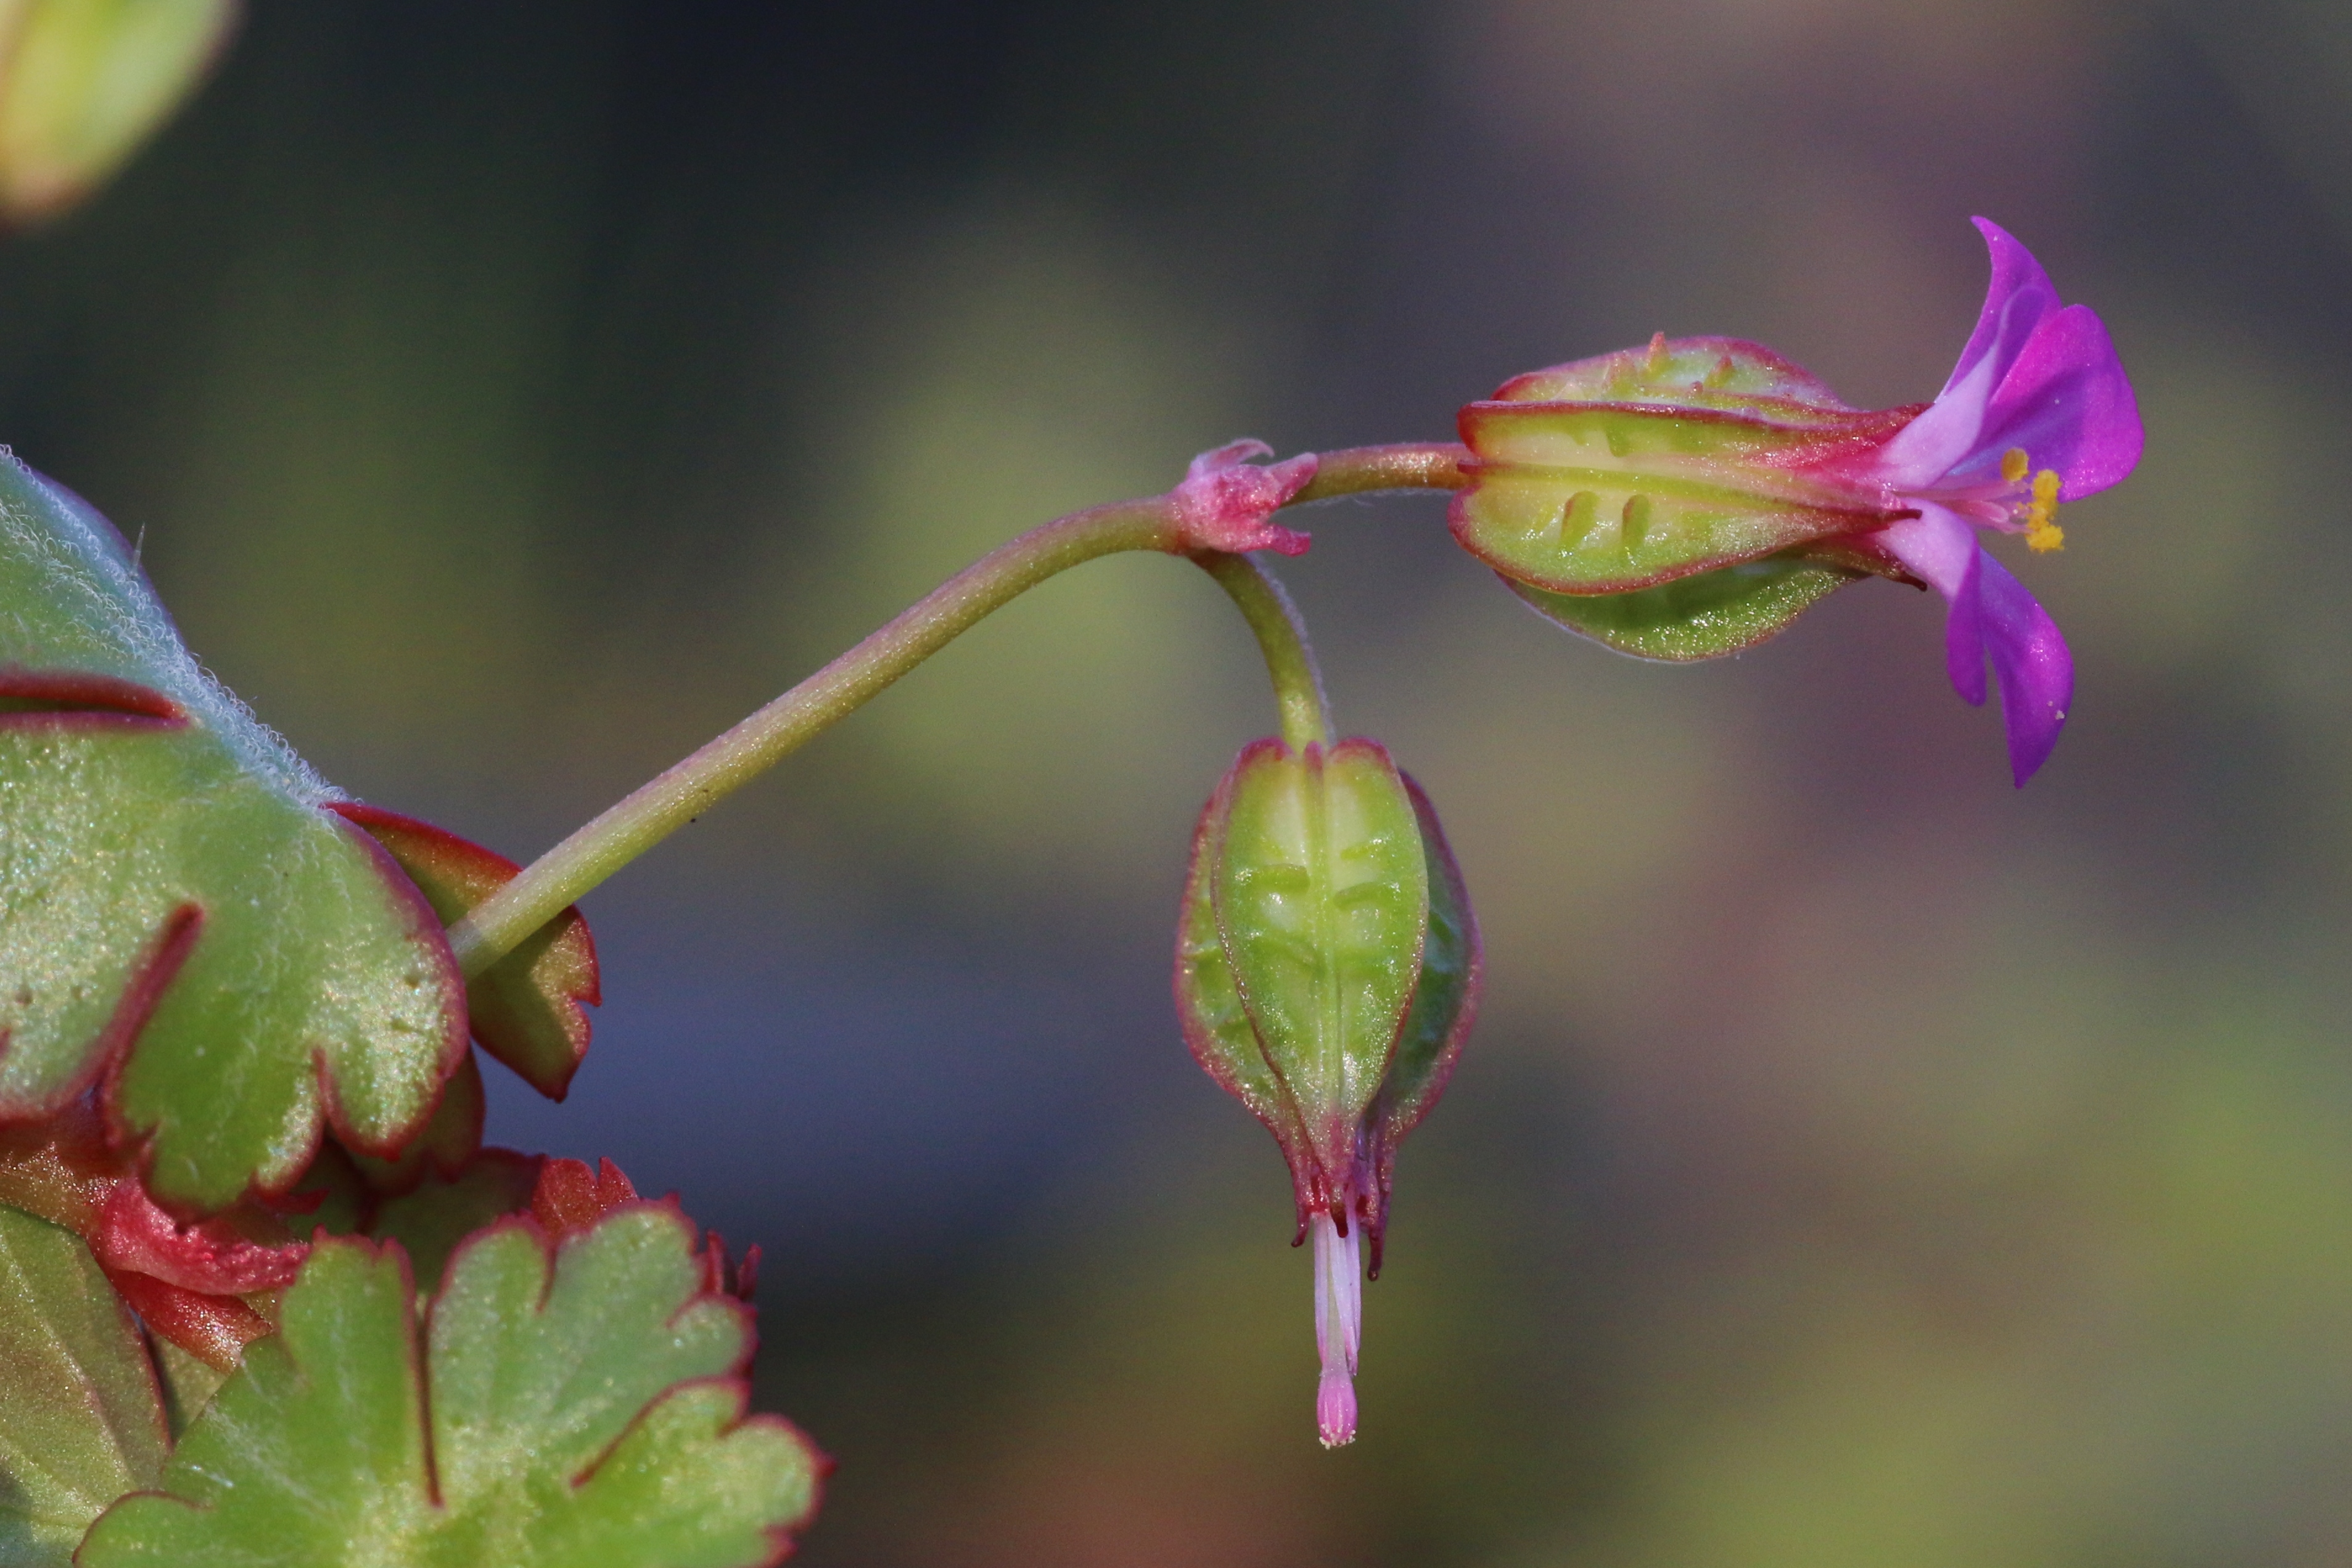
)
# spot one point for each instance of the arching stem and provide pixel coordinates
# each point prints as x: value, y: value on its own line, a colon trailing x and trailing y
x: 1282, y: 638
x: 684, y: 790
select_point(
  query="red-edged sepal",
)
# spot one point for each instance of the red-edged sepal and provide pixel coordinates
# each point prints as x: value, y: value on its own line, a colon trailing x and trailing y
x: 529, y: 1008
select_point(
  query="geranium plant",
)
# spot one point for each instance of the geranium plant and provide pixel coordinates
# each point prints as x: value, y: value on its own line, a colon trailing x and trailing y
x: 265, y: 1296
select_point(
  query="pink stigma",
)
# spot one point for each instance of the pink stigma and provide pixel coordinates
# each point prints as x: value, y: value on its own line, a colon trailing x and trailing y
x: 1338, y: 1326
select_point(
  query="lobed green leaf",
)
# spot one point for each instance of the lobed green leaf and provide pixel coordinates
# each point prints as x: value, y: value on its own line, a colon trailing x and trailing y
x: 180, y: 921
x: 529, y: 1008
x: 584, y: 1408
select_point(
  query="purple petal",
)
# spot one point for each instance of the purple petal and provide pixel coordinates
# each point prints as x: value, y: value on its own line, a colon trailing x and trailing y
x: 2020, y: 295
x: 2067, y: 403
x: 2030, y: 659
x: 1338, y: 1327
x: 1952, y: 433
x: 1937, y: 547
x: 1964, y: 631
x: 1993, y: 618
x: 1941, y: 550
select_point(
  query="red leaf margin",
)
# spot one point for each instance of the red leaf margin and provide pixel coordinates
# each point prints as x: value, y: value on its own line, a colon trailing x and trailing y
x: 511, y: 1009
x: 608, y: 1178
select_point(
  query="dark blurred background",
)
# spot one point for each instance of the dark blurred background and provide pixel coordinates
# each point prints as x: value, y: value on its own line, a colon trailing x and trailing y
x: 1860, y: 1162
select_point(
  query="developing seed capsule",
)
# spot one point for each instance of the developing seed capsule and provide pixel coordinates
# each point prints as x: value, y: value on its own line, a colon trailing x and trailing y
x: 1327, y: 972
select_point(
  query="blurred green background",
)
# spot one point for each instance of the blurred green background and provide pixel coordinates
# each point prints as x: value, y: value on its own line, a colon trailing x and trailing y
x: 1859, y: 1162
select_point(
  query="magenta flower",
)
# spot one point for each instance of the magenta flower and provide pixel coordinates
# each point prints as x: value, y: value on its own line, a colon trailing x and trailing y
x: 2037, y: 412
x: 1692, y: 498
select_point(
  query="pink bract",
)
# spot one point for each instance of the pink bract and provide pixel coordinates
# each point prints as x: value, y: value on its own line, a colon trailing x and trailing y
x: 1227, y: 503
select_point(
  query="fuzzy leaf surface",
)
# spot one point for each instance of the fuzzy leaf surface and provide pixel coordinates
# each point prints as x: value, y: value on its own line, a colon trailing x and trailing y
x: 583, y: 1402
x: 180, y: 923
x: 82, y: 1420
x: 439, y: 1212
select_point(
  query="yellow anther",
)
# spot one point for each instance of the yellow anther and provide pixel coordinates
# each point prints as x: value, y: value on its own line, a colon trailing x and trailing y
x: 2013, y: 464
x: 2041, y: 530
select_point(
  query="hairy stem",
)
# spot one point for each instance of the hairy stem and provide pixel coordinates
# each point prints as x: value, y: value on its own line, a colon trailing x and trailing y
x: 1408, y: 465
x: 1282, y: 638
x: 681, y: 792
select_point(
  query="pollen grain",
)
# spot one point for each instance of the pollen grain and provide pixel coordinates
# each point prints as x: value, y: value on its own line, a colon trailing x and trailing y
x: 2041, y: 530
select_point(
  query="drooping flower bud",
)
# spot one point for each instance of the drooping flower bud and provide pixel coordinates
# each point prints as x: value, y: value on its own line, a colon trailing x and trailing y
x: 1326, y: 973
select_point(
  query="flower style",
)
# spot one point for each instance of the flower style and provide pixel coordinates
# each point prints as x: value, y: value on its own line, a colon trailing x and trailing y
x: 1691, y: 499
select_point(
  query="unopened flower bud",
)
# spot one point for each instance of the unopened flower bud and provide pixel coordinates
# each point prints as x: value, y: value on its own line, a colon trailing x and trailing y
x: 1326, y: 973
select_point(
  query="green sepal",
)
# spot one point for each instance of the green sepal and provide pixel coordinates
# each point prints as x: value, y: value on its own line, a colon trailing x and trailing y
x: 81, y: 1418
x: 181, y: 922
x: 1659, y: 496
x: 1209, y: 1005
x: 1445, y: 1002
x: 1631, y: 469
x: 563, y: 1406
x: 1291, y: 957
x: 1703, y: 617
x: 1728, y: 375
x: 1321, y: 894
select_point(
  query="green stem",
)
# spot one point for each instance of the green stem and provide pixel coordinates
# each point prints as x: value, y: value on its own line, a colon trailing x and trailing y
x: 1282, y: 638
x: 1408, y: 465
x: 682, y: 792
